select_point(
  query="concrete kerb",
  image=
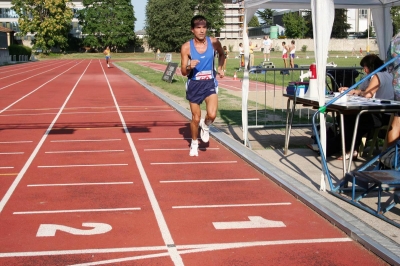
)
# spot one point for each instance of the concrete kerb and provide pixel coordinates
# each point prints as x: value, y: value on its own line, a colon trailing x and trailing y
x: 348, y: 223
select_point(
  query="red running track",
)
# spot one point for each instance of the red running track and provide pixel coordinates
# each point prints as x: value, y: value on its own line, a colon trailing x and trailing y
x: 94, y: 169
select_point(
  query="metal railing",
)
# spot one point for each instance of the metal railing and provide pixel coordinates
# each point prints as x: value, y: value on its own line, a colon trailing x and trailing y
x: 268, y: 86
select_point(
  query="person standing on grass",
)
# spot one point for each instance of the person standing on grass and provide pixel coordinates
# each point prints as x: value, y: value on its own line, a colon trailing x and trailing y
x: 267, y: 43
x: 284, y: 53
x: 198, y: 64
x: 107, y: 53
x: 292, y: 53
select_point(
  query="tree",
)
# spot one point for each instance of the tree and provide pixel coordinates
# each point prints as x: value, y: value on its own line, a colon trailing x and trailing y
x: 48, y: 20
x: 308, y: 19
x: 169, y: 29
x: 107, y: 23
x: 395, y: 13
x: 266, y: 16
x: 213, y: 10
x: 340, y: 25
x: 254, y: 22
x: 295, y: 25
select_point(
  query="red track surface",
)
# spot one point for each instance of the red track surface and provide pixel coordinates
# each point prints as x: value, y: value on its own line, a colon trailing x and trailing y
x: 94, y: 170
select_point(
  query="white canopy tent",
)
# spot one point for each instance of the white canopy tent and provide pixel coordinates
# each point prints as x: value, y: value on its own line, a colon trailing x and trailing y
x: 323, y: 12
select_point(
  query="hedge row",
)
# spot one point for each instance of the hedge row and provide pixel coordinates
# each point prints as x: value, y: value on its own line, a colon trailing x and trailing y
x: 15, y: 49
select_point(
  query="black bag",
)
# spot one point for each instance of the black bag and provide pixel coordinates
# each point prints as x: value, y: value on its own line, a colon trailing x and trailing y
x: 333, y: 139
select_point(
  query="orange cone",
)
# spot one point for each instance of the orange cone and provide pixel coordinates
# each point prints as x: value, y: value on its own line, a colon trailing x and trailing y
x: 234, y: 76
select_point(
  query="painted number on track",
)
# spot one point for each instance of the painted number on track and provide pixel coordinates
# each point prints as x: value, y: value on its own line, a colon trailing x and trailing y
x: 51, y: 229
x: 254, y: 222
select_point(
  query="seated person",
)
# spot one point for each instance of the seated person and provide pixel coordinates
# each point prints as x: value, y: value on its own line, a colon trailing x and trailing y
x: 379, y: 86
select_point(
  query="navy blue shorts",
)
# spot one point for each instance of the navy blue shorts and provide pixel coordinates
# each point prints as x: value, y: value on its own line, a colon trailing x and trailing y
x: 198, y: 90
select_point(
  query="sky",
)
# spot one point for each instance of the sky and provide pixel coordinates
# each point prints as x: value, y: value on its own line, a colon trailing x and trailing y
x: 140, y: 13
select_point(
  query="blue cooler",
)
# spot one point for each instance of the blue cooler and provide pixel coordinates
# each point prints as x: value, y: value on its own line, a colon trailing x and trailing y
x: 291, y: 89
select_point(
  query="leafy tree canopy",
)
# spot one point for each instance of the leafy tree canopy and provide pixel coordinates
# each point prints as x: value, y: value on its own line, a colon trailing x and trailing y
x: 295, y: 25
x: 169, y: 29
x: 213, y: 10
x: 48, y: 20
x: 340, y: 25
x: 395, y: 13
x: 254, y: 22
x: 266, y: 16
x: 107, y: 23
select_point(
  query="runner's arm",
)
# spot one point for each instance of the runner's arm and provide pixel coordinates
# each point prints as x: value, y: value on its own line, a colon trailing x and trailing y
x: 221, y: 56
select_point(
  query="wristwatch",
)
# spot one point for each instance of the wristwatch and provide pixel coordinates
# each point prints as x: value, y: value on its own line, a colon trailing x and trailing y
x: 188, y: 67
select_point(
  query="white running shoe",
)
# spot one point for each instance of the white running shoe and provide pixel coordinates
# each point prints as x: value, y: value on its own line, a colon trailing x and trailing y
x: 204, y: 132
x: 108, y: 65
x: 194, y: 148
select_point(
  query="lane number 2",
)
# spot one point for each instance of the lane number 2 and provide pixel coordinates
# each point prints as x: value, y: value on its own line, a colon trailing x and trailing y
x: 46, y: 230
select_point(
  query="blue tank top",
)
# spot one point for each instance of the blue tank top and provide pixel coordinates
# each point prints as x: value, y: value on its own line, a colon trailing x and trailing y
x: 205, y: 68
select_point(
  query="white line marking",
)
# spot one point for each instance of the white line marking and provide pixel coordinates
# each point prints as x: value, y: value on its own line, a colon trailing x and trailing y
x: 83, y: 140
x: 80, y: 184
x: 6, y: 167
x: 232, y: 205
x: 20, y: 99
x: 180, y: 149
x: 81, y: 210
x: 162, y: 224
x: 219, y: 247
x: 21, y: 174
x: 84, y: 151
x: 151, y: 139
x: 16, y: 142
x: 21, y: 72
x: 81, y: 165
x: 78, y: 113
x: 253, y: 222
x: 185, y: 248
x: 210, y: 180
x: 10, y: 153
x: 174, y: 163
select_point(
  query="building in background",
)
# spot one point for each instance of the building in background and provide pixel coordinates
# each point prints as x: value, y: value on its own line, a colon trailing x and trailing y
x: 9, y: 19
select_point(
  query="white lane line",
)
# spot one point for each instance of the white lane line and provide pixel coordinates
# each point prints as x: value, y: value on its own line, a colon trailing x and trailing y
x: 162, y: 223
x: 210, y: 180
x: 26, y: 95
x: 84, y: 140
x: 180, y: 149
x: 80, y: 210
x: 214, y: 247
x: 184, y: 248
x: 92, y: 112
x: 6, y: 167
x: 232, y: 205
x: 80, y: 184
x: 84, y: 151
x: 21, y: 174
x: 175, y: 163
x: 21, y: 72
x: 36, y: 88
x: 82, y: 165
x: 151, y: 139
x: 16, y: 142
x: 10, y: 153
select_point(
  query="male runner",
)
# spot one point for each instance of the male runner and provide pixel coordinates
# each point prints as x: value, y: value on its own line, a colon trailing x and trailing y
x: 107, y: 53
x: 197, y: 62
